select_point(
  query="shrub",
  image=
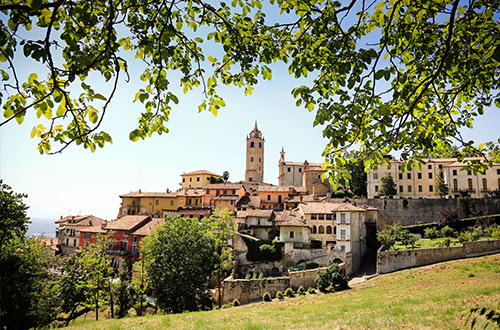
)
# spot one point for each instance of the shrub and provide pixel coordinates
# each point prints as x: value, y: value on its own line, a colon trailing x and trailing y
x: 311, y: 290
x: 447, y: 231
x: 493, y: 232
x: 447, y: 217
x: 226, y: 306
x: 248, y: 276
x: 446, y: 242
x: 261, y: 275
x: 465, y: 236
x: 477, y: 233
x: 235, y: 303
x: 301, y: 291
x: 331, y: 279
x: 289, y: 293
x: 267, y: 297
x: 312, y: 265
x: 261, y: 251
x: 431, y: 233
x: 254, y: 276
x: 279, y: 295
x: 408, y: 239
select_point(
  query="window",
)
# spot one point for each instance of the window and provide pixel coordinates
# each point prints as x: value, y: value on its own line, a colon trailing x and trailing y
x: 260, y: 161
x: 485, y: 184
x: 251, y: 144
x: 321, y: 230
x: 134, y: 239
x: 408, y: 176
x: 342, y: 248
x: 431, y: 188
x: 498, y: 171
x: 292, y: 234
x: 342, y: 234
x: 400, y: 188
x: 314, y: 217
x: 260, y: 144
x: 429, y: 167
x: 455, y: 184
x: 87, y: 235
x: 430, y: 175
x: 268, y: 197
x: 74, y: 242
x: 469, y: 172
x: 289, y: 169
x: 279, y: 199
x: 409, y: 188
x: 251, y: 159
x: 190, y: 179
x: 454, y: 172
x: 250, y: 179
x: 133, y: 203
x: 124, y: 246
x: 342, y: 218
x: 315, y: 230
x: 498, y: 184
x: 400, y: 176
x: 300, y: 170
x: 198, y: 179
x: 183, y: 179
x: 469, y: 183
x: 134, y: 249
x: 420, y: 189
x: 328, y: 229
x: 156, y: 202
x: 196, y: 201
x: 110, y: 245
x: 376, y: 188
x: 419, y: 175
x: 67, y: 241
x: 440, y: 166
x: 171, y: 203
x: 328, y: 217
x: 319, y: 177
x: 375, y: 176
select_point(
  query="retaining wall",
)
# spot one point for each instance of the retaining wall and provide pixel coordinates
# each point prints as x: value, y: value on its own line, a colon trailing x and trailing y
x: 390, y: 261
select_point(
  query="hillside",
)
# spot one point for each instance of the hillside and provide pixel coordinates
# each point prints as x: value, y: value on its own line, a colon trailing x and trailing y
x: 431, y: 297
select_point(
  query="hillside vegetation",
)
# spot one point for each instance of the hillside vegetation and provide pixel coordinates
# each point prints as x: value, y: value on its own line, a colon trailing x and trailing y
x: 431, y: 297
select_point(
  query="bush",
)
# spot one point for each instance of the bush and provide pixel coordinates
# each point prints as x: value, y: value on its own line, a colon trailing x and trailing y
x: 431, y: 233
x: 312, y: 265
x: 331, y: 279
x: 279, y: 295
x: 447, y: 231
x: 408, y: 239
x: 311, y: 290
x: 235, y: 303
x: 254, y: 276
x: 248, y: 276
x: 493, y: 232
x: 446, y: 242
x: 301, y: 291
x: 289, y: 293
x: 261, y: 251
x: 448, y: 217
x: 267, y: 297
x: 261, y: 275
x: 477, y: 233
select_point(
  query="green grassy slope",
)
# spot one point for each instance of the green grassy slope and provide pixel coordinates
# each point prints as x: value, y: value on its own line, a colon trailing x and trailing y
x: 431, y: 297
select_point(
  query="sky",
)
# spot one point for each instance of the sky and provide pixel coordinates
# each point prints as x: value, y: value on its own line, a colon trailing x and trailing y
x: 80, y: 182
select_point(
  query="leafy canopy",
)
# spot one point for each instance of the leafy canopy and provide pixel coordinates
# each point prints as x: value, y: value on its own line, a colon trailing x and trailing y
x: 387, y: 75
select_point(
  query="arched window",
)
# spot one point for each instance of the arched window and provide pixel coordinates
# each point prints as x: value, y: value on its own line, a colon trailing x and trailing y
x: 251, y: 144
x: 328, y: 229
x: 315, y: 230
x: 469, y: 182
x: 251, y: 159
x: 321, y: 230
x: 485, y: 184
x: 455, y: 184
x: 260, y: 144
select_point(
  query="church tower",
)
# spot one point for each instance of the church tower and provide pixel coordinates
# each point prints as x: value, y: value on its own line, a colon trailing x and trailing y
x: 255, y: 156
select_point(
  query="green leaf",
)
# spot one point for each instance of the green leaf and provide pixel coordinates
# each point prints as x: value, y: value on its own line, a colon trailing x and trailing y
x: 34, y: 4
x: 93, y: 116
x: 100, y: 97
x: 134, y: 135
x: 212, y: 59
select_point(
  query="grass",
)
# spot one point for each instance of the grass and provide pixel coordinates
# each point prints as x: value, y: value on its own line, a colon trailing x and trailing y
x: 431, y: 297
x: 427, y: 243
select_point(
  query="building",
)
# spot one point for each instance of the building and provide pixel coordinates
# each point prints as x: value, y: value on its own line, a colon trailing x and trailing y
x: 420, y: 183
x: 255, y: 156
x: 274, y: 197
x: 68, y: 231
x: 222, y: 192
x: 197, y: 179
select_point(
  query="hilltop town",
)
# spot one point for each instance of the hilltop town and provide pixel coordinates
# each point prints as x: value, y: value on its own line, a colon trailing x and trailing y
x: 299, y: 214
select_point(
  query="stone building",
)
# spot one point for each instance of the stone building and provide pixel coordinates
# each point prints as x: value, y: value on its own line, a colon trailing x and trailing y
x: 421, y: 182
x: 197, y: 179
x: 255, y: 156
x: 68, y: 231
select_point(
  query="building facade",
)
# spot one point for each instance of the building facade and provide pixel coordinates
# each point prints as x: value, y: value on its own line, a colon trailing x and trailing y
x: 196, y: 179
x: 255, y: 156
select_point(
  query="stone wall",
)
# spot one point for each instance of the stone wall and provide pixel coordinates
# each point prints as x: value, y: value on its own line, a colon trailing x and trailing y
x: 415, y: 211
x: 253, y: 289
x: 390, y: 261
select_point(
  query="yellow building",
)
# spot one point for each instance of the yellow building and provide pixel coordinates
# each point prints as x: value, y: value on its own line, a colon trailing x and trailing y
x: 196, y: 179
x: 421, y: 183
x: 157, y: 203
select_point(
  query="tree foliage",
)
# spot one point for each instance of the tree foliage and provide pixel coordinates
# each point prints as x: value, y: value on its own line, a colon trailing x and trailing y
x: 13, y: 217
x: 179, y: 258
x: 331, y: 279
x: 387, y: 75
x: 387, y: 186
x: 441, y: 187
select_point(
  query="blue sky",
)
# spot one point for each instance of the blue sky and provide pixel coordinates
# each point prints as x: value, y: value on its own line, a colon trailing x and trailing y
x: 78, y: 181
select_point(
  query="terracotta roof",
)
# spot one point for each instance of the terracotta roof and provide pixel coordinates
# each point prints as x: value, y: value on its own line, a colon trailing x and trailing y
x: 274, y: 188
x: 224, y: 186
x: 127, y: 222
x: 289, y: 218
x: 149, y: 194
x: 191, y: 192
x: 249, y: 201
x: 85, y: 221
x: 255, y: 213
x: 72, y: 217
x: 199, y: 172
x: 147, y: 228
x: 329, y: 207
x: 93, y: 229
x: 369, y: 208
x: 301, y: 164
x: 227, y: 197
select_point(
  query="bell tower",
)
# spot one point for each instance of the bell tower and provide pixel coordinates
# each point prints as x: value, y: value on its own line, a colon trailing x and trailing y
x: 255, y: 156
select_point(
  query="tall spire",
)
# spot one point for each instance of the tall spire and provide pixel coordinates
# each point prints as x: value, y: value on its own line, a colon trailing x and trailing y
x: 256, y: 128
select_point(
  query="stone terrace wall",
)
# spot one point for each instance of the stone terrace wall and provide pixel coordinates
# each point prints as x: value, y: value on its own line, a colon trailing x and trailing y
x: 390, y: 261
x: 253, y: 289
x: 414, y: 211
